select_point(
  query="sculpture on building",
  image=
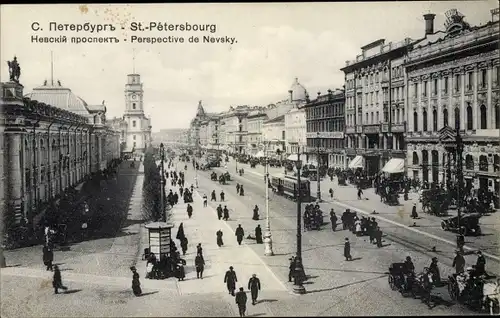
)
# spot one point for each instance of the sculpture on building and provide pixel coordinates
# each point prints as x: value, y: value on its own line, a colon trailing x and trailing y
x: 14, y: 70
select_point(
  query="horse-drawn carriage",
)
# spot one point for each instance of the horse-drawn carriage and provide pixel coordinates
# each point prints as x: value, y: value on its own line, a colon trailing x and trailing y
x: 253, y: 162
x: 476, y: 292
x: 408, y: 284
x: 224, y: 177
x: 341, y: 180
x: 213, y: 176
x: 468, y: 222
x: 435, y: 202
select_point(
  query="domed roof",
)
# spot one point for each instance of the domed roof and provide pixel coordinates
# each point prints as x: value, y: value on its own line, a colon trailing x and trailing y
x: 60, y: 97
x: 299, y: 92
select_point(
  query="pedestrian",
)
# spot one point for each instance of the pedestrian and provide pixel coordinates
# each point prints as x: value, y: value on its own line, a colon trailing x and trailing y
x: 480, y: 264
x: 347, y: 250
x: 226, y: 213
x: 180, y: 232
x: 333, y: 220
x: 48, y: 257
x: 426, y: 287
x: 242, y: 192
x: 219, y: 211
x: 222, y: 195
x: 199, y: 264
x: 241, y: 301
x: 230, y: 279
x: 459, y: 262
x: 181, y: 189
x: 205, y: 201
x: 237, y: 188
x: 57, y: 280
x: 343, y: 218
x: 255, y: 216
x: 258, y: 234
x: 199, y: 249
x: 360, y: 193
x: 414, y: 214
x: 213, y: 197
x: 239, y: 233
x: 331, y: 193
x: 136, y: 284
x: 378, y: 237
x: 181, y: 272
x: 254, y: 287
x: 176, y: 198
x: 219, y: 238
x: 358, y: 229
x: 291, y: 269
x: 189, y: 210
x: 184, y: 245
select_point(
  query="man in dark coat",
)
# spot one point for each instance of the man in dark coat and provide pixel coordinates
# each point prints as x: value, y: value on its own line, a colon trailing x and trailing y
x: 344, y: 219
x: 347, y: 250
x: 136, y: 284
x: 238, y: 188
x: 480, y: 264
x: 230, y: 279
x: 219, y: 211
x: 57, y: 280
x: 199, y: 249
x: 181, y: 190
x: 255, y: 216
x: 189, y: 210
x: 378, y: 236
x: 239, y: 234
x: 222, y: 195
x: 199, y: 264
x: 184, y: 245
x: 414, y: 214
x: 226, y: 213
x: 242, y: 192
x: 254, y: 287
x: 291, y: 269
x: 333, y: 220
x: 241, y: 301
x: 176, y: 198
x: 459, y: 262
x: 48, y: 257
x: 219, y: 238
x: 258, y: 234
x: 213, y: 196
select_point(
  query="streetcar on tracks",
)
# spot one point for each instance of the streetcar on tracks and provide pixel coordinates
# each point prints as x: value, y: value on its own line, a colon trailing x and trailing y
x: 288, y: 186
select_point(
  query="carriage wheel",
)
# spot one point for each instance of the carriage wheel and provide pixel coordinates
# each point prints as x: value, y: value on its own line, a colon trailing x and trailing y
x: 392, y: 284
x: 453, y: 289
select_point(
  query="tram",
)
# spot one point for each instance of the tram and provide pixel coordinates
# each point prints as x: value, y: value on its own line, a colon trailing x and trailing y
x: 287, y: 186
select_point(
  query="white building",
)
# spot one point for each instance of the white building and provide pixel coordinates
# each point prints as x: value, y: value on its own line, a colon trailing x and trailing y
x: 138, y: 132
x: 295, y: 130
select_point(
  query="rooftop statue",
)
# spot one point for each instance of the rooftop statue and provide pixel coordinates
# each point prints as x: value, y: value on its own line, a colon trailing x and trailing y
x: 14, y: 70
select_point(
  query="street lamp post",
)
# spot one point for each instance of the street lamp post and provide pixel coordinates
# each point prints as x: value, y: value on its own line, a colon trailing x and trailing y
x: 318, y: 191
x: 162, y: 157
x: 298, y: 287
x: 460, y: 182
x: 268, y: 242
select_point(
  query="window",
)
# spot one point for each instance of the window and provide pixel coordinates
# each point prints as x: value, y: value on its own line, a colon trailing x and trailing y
x: 366, y: 122
x: 415, y: 90
x: 469, y: 162
x: 135, y: 144
x: 415, y: 158
x: 483, y: 163
x: 457, y: 83
x: 445, y: 117
x: 371, y: 117
x: 483, y: 79
x: 133, y: 137
x: 470, y: 120
x: 424, y: 119
x: 445, y: 84
x: 497, y: 117
x: 424, y: 89
x: 435, y: 87
x: 133, y: 123
x: 133, y: 105
x: 415, y: 121
x: 457, y: 118
x: 377, y: 116
x: 496, y: 75
x: 434, y: 120
x: 470, y: 80
x: 483, y: 115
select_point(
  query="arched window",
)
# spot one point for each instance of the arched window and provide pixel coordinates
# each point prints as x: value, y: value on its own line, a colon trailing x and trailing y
x: 445, y: 117
x: 469, y: 162
x: 415, y: 121
x: 425, y: 157
x: 424, y: 119
x: 497, y: 117
x: 482, y: 110
x: 457, y: 118
x: 434, y: 120
x: 483, y: 163
x: 415, y: 158
x: 470, y: 120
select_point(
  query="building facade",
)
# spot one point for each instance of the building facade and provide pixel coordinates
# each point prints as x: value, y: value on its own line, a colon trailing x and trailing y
x: 235, y: 129
x: 51, y: 140
x: 374, y: 134
x: 295, y: 130
x: 453, y: 81
x: 255, y: 125
x: 325, y: 129
x: 273, y: 136
x: 175, y: 136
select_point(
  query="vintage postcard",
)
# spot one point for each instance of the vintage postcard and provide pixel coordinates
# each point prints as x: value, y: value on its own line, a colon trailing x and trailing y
x: 250, y: 159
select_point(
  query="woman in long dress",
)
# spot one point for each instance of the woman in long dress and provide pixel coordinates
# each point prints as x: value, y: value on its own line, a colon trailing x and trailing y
x: 136, y: 284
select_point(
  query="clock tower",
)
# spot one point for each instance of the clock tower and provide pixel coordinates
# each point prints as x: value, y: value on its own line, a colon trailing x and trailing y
x: 138, y: 134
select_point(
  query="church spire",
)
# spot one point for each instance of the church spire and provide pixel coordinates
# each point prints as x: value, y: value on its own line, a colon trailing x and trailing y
x: 200, y: 112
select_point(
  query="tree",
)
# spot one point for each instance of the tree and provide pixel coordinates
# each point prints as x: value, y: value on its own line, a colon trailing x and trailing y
x: 151, y: 189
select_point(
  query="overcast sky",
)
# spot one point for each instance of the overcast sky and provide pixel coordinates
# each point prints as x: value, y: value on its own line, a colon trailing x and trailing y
x: 275, y: 43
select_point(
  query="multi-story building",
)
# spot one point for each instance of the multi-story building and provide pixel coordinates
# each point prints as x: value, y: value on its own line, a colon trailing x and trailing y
x: 194, y: 139
x: 273, y: 136
x: 295, y: 129
x: 235, y: 128
x: 213, y: 132
x: 51, y: 140
x: 255, y: 124
x: 374, y: 130
x: 325, y: 129
x: 454, y: 82
x: 175, y: 136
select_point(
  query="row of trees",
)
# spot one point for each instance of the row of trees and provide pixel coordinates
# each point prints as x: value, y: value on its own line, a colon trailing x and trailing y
x: 151, y: 189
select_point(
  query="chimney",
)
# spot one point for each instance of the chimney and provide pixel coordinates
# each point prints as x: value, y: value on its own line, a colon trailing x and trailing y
x: 429, y: 23
x: 291, y: 95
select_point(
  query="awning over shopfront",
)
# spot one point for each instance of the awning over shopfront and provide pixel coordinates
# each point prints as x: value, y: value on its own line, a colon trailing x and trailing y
x: 260, y: 154
x: 293, y: 157
x: 357, y: 162
x: 395, y: 165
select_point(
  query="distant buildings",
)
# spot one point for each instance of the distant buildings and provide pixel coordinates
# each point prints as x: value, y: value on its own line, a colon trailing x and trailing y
x: 171, y: 136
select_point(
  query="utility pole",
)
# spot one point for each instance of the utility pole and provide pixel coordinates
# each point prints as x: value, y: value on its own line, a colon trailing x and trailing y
x: 268, y: 242
x: 162, y: 157
x: 460, y: 183
x: 318, y: 191
x: 298, y: 287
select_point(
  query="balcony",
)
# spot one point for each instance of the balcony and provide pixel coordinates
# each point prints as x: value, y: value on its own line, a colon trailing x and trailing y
x: 326, y: 134
x: 371, y: 129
